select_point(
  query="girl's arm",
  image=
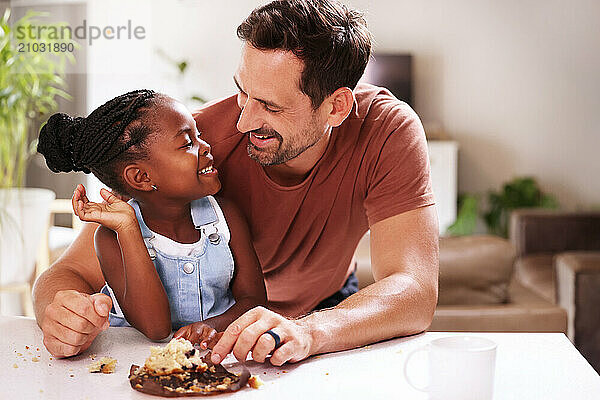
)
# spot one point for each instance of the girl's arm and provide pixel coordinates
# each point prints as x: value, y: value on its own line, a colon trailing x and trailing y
x: 126, y: 265
x: 248, y: 285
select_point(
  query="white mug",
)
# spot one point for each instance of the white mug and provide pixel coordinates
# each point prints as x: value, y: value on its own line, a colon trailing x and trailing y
x: 460, y: 368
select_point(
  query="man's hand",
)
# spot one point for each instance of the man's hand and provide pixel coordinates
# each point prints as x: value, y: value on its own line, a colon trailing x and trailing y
x: 247, y: 333
x: 113, y: 212
x: 73, y: 320
x: 199, y: 333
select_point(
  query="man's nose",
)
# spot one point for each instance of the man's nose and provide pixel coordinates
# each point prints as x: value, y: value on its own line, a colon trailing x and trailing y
x: 250, y: 119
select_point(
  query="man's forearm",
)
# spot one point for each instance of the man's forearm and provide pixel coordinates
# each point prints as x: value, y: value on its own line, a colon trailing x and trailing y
x: 395, y: 306
x: 53, y: 280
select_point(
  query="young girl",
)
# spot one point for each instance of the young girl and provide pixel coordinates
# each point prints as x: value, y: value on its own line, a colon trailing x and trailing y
x: 168, y: 254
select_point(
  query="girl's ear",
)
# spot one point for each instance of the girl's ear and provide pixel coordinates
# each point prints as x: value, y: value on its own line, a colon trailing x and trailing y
x: 136, y: 177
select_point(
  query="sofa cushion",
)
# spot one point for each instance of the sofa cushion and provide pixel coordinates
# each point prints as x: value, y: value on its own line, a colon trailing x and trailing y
x: 475, y: 270
x: 526, y: 312
x: 536, y: 272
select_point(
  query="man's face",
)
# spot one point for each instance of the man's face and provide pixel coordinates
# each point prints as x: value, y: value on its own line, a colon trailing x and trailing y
x: 276, y: 116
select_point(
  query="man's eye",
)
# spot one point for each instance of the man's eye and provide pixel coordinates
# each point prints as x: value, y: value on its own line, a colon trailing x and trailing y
x: 188, y: 144
x: 268, y: 109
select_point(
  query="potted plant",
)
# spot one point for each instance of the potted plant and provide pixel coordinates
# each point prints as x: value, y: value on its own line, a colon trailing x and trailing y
x: 30, y: 83
x: 522, y: 192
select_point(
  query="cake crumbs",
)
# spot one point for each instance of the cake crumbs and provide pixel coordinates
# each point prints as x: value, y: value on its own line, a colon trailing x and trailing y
x: 35, y: 359
x: 15, y: 366
x: 27, y: 347
x: 255, y: 382
x: 19, y: 354
x: 326, y: 373
x: 106, y: 365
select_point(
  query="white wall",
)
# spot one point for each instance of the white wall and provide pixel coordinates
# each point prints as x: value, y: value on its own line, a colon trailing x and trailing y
x: 516, y: 83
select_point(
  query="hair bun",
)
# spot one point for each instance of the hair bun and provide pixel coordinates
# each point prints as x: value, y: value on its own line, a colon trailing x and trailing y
x: 55, y: 142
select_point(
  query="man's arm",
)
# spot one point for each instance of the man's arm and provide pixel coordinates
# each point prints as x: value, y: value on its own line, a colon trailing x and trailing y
x: 66, y: 309
x: 404, y: 259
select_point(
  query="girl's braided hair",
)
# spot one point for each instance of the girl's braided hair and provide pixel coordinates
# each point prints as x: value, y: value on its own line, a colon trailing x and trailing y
x: 109, y: 137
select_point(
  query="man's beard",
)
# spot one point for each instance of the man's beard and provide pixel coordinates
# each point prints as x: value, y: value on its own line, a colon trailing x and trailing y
x: 283, y: 153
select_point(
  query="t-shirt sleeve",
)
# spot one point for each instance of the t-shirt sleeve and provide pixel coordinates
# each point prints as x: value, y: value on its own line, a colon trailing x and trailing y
x: 400, y: 178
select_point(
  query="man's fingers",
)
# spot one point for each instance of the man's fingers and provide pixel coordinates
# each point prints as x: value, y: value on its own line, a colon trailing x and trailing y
x: 72, y: 321
x: 283, y: 354
x: 230, y: 336
x: 248, y: 338
x: 226, y: 343
x: 81, y: 305
x: 102, y: 304
x: 264, y: 346
x: 58, y: 348
x: 66, y: 335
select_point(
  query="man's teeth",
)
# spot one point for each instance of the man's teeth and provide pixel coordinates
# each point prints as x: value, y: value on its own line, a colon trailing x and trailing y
x: 262, y: 137
x: 206, y: 170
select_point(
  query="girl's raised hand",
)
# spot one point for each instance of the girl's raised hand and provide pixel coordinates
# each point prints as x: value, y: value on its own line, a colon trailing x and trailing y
x: 113, y: 212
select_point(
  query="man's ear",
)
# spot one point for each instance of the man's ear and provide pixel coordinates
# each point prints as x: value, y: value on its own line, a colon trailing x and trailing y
x: 136, y: 177
x: 341, y: 102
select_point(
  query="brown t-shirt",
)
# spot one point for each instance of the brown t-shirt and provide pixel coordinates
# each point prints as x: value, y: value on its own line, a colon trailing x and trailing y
x: 375, y: 166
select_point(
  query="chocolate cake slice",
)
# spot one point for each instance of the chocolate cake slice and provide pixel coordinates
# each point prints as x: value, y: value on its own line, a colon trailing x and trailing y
x: 178, y: 370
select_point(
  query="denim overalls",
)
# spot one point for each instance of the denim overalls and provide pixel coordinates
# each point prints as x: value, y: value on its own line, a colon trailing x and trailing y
x: 197, y: 286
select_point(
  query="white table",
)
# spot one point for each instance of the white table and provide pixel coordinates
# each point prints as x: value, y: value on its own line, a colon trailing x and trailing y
x: 529, y: 366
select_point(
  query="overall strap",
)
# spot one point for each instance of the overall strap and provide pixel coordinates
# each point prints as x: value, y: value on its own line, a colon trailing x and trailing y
x: 203, y: 213
x: 146, y: 232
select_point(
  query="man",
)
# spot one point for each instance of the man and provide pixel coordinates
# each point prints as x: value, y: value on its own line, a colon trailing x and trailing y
x: 313, y: 161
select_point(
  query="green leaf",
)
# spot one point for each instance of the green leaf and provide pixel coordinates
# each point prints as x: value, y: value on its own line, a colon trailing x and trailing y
x: 29, y: 86
x: 466, y: 219
x: 198, y: 99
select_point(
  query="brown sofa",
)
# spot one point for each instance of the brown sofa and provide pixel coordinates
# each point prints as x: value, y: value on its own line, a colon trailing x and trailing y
x: 478, y: 290
x: 545, y: 279
x: 558, y: 257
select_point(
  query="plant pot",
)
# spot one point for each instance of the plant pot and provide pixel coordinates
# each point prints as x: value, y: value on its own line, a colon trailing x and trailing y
x: 24, y: 214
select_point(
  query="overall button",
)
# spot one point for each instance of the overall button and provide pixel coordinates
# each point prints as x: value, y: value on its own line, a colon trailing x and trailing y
x: 188, y: 267
x: 152, y: 253
x: 214, y: 238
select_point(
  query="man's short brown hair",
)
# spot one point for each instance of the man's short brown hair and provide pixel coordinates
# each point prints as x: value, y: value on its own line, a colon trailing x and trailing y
x: 332, y: 40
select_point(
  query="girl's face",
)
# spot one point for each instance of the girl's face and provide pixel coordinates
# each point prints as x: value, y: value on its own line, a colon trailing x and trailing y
x: 180, y: 164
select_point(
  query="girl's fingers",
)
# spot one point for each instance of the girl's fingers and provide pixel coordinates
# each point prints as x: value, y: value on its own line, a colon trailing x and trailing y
x: 211, y: 340
x: 183, y: 332
x: 109, y: 197
x: 74, y: 203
